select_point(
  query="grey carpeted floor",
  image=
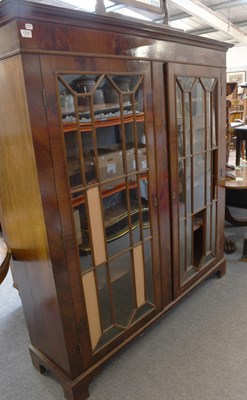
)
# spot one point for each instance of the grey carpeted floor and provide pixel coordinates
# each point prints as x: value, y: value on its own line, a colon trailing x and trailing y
x: 198, y: 351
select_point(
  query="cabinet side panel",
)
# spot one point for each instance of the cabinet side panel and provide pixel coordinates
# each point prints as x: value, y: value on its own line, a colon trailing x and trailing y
x: 22, y: 218
x: 9, y: 40
x: 221, y: 113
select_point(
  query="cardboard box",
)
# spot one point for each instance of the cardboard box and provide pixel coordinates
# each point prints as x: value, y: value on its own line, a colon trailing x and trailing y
x: 111, y: 166
x: 131, y: 160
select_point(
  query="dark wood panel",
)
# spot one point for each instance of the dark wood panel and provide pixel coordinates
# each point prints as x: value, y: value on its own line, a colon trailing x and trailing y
x: 48, y: 37
x: 22, y: 217
x: 66, y: 273
x: 22, y: 10
x: 161, y: 145
x: 61, y: 30
x: 9, y: 42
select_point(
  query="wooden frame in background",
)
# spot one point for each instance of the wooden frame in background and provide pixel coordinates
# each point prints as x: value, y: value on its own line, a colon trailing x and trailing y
x: 236, y: 76
x: 155, y: 6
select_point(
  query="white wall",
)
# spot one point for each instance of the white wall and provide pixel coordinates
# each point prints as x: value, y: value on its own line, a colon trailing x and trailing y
x: 236, y: 59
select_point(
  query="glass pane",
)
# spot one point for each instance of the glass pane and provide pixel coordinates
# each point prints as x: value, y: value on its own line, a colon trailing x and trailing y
x: 186, y: 82
x: 67, y: 101
x: 143, y: 310
x: 88, y: 156
x: 73, y: 159
x: 209, y: 124
x: 180, y: 141
x: 196, y: 130
x: 188, y: 186
x: 198, y: 123
x: 208, y: 230
x: 209, y: 177
x: 187, y: 122
x: 182, y: 250
x: 148, y: 270
x: 110, y: 167
x: 116, y: 221
x: 87, y: 87
x: 103, y: 297
x: 214, y: 175
x: 208, y: 83
x: 214, y: 226
x: 122, y: 288
x: 144, y: 192
x: 189, y: 242
x: 181, y: 188
x: 214, y: 108
x: 117, y: 245
x: 110, y: 334
x: 117, y: 88
x: 199, y: 238
x: 136, y: 214
x: 83, y: 238
x: 179, y: 109
x: 108, y: 138
x: 135, y: 144
x: 142, y: 158
x: 138, y: 92
x: 199, y: 181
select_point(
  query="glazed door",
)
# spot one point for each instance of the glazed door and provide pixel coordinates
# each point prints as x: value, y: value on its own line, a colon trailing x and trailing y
x: 102, y: 122
x: 196, y: 150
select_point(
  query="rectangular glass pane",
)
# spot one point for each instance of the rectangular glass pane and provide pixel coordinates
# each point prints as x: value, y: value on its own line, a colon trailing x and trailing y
x: 122, y: 288
x: 214, y: 175
x: 209, y: 124
x: 73, y: 159
x: 148, y: 270
x: 189, y: 239
x: 181, y: 188
x: 208, y: 230
x: 188, y: 186
x: 83, y: 236
x: 198, y: 122
x: 116, y: 221
x: 104, y: 297
x: 180, y: 141
x: 209, y: 177
x: 136, y: 211
x: 214, y: 226
x: 88, y: 156
x: 111, y: 167
x: 199, y: 181
x: 214, y: 119
x: 199, y: 238
x: 182, y: 258
x: 187, y: 123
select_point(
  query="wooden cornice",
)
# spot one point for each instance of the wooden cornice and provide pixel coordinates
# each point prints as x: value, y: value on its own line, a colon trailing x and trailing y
x: 19, y: 9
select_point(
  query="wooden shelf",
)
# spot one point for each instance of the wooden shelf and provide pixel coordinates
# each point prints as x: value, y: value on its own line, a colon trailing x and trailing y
x: 101, y: 123
x: 117, y: 225
x: 105, y: 193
